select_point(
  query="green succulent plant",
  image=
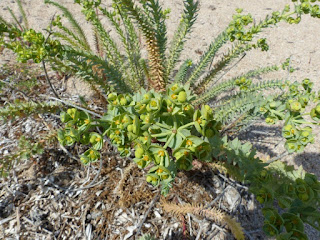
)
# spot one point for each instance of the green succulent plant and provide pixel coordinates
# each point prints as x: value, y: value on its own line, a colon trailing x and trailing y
x: 168, y: 119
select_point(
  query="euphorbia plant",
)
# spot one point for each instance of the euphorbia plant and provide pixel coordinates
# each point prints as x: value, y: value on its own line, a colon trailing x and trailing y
x: 164, y: 129
x: 163, y: 118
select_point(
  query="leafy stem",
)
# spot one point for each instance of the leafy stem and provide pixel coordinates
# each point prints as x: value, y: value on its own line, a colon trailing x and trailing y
x: 162, y: 125
x: 169, y: 140
x: 186, y: 126
x: 161, y: 134
x: 175, y: 123
x: 305, y: 122
x: 181, y: 134
x: 288, y: 14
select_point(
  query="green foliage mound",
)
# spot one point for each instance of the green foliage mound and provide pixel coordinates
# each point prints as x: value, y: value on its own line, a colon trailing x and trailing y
x: 169, y: 119
x: 159, y: 126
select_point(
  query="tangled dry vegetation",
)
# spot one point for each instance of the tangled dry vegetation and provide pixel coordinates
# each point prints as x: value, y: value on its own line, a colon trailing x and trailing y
x: 55, y: 197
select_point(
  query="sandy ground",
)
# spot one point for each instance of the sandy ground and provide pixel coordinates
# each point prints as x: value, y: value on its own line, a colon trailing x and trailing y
x: 300, y: 42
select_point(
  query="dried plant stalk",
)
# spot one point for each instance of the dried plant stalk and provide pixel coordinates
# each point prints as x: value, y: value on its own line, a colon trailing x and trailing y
x: 213, y: 213
x: 156, y: 80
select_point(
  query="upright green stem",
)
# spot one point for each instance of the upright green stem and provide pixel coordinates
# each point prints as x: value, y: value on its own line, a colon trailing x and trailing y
x: 161, y: 134
x: 297, y: 119
x: 181, y: 134
x: 169, y: 140
x: 175, y: 123
x: 162, y: 125
x: 186, y: 126
x: 304, y: 122
x: 288, y: 14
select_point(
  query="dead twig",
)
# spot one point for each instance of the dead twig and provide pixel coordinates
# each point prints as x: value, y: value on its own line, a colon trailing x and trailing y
x: 232, y: 182
x: 72, y: 105
x: 235, y: 64
x: 153, y: 202
x: 200, y: 231
x: 209, y: 205
x: 48, y: 80
x: 44, y: 65
x: 18, y: 219
x: 3, y: 221
x: 284, y: 154
x: 68, y: 153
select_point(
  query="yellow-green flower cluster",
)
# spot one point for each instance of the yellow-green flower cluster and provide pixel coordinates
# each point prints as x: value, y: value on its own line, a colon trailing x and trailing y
x: 163, y: 129
x: 291, y: 107
x: 78, y: 125
x: 28, y: 45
